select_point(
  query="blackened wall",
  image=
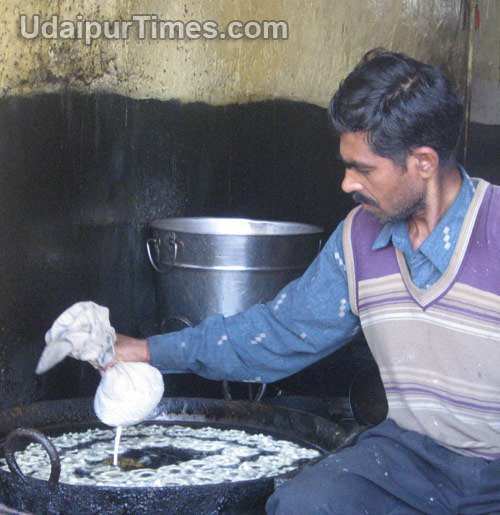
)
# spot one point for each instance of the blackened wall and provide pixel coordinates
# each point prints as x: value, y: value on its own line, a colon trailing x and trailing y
x: 83, y: 175
x: 484, y: 152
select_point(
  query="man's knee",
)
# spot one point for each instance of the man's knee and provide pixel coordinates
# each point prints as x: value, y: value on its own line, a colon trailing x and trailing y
x: 345, y: 494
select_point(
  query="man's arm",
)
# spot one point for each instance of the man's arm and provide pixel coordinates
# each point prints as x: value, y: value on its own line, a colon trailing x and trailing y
x: 131, y: 349
x: 307, y: 320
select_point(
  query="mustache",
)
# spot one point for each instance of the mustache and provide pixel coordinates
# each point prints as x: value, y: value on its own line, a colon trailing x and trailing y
x: 361, y: 199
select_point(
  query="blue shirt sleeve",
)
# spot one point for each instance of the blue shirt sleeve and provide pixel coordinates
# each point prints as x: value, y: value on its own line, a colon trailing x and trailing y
x: 307, y: 320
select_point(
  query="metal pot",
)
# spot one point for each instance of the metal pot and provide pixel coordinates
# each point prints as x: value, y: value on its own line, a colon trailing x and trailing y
x: 56, y: 417
x: 225, y: 265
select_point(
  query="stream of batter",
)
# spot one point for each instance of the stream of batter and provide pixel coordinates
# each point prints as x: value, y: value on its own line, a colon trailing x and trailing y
x: 117, y: 445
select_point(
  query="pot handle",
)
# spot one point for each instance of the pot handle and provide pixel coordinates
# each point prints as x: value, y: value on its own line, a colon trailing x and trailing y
x: 156, y: 242
x: 149, y: 242
x: 33, y: 435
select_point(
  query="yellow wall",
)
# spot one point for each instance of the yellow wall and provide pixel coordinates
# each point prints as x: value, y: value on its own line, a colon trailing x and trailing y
x: 485, y: 106
x: 326, y: 39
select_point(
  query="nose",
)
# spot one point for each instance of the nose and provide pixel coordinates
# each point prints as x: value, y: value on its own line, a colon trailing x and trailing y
x: 350, y: 184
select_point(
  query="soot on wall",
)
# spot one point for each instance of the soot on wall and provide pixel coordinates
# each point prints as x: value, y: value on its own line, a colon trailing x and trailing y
x: 82, y: 177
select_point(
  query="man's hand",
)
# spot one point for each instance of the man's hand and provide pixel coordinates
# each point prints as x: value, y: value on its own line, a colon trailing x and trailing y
x: 131, y: 349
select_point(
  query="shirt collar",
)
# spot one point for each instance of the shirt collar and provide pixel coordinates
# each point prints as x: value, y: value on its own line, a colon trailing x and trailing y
x: 398, y: 232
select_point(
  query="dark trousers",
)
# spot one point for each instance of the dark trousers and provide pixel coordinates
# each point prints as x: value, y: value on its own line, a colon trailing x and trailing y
x: 392, y: 471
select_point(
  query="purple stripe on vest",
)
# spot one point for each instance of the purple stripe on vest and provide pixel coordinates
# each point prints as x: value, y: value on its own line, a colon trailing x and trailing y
x: 391, y: 300
x: 467, y: 303
x: 469, y: 312
x: 465, y: 398
x: 448, y: 307
x: 447, y: 398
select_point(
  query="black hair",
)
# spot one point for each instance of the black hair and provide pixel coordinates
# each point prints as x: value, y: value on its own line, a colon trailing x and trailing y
x: 401, y: 104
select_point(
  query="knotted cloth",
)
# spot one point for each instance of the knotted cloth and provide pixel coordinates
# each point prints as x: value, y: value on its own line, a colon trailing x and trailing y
x: 83, y: 332
x: 128, y: 392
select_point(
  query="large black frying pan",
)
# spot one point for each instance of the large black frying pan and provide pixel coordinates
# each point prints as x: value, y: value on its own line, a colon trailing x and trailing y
x: 56, y: 417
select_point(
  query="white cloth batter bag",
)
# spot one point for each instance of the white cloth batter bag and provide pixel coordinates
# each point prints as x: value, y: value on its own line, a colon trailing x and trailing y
x: 128, y: 394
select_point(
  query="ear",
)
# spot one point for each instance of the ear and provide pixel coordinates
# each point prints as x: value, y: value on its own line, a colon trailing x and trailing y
x: 52, y: 355
x: 426, y: 161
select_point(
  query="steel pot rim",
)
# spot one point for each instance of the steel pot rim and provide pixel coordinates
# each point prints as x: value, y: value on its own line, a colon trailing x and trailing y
x: 228, y: 226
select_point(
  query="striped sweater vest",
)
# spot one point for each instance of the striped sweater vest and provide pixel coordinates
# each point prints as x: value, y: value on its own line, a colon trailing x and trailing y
x: 438, y: 349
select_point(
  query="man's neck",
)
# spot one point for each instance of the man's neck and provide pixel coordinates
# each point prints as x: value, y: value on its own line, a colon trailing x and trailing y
x: 442, y: 190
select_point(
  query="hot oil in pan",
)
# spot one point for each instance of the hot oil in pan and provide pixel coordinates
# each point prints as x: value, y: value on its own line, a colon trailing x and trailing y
x: 153, y: 457
x: 166, y: 455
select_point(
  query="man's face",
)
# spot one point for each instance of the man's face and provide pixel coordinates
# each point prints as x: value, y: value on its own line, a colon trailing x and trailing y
x: 389, y: 191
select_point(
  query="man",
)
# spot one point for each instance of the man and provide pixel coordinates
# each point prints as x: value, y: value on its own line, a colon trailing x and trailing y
x: 416, y: 267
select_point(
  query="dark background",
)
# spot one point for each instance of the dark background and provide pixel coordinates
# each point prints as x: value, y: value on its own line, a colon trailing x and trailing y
x: 83, y: 175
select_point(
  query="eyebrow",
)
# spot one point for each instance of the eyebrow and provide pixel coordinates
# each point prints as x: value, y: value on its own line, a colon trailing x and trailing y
x: 358, y: 165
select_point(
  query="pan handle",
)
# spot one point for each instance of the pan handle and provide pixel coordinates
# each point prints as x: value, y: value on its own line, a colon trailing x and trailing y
x: 31, y: 434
